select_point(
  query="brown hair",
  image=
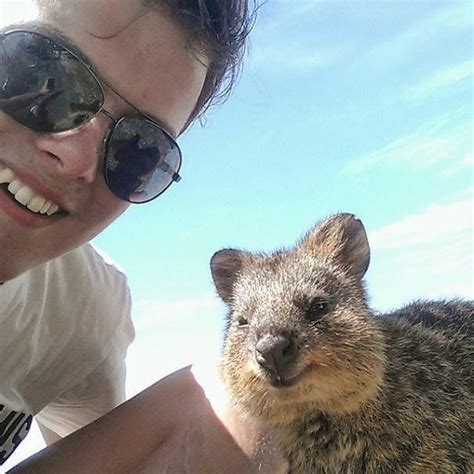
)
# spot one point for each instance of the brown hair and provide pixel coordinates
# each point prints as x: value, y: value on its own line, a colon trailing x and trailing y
x: 218, y: 28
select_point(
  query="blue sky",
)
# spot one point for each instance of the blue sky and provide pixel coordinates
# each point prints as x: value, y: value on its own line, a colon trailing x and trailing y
x: 359, y: 106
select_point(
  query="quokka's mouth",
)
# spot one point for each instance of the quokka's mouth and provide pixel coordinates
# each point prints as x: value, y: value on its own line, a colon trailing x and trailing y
x: 280, y: 381
x: 291, y: 379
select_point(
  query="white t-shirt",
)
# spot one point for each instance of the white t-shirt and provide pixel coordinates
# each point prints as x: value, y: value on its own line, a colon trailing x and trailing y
x: 64, y: 331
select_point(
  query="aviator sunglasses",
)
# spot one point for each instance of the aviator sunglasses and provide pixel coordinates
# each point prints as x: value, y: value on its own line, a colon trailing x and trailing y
x: 49, y: 89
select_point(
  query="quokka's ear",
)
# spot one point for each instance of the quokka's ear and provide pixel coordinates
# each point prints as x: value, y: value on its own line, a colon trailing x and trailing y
x: 343, y: 238
x: 225, y: 267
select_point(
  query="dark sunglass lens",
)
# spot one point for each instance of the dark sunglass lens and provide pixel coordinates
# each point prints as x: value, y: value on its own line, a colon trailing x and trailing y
x: 141, y: 160
x: 43, y: 86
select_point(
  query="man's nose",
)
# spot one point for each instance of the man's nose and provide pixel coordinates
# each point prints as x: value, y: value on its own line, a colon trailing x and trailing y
x: 74, y: 154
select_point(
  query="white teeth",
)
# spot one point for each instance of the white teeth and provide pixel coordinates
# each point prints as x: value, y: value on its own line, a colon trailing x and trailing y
x: 6, y: 175
x: 52, y: 209
x: 36, y: 204
x: 15, y: 186
x: 25, y: 195
x: 45, y: 208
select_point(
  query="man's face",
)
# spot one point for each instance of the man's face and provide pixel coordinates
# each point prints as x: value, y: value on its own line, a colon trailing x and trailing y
x: 143, y: 55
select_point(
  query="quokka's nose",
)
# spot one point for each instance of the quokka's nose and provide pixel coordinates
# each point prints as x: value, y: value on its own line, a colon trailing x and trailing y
x: 275, y: 352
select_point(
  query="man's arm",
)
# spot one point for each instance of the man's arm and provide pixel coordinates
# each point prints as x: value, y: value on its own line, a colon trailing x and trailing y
x: 170, y: 427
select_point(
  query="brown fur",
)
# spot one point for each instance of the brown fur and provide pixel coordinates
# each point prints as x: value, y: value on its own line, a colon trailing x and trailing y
x: 353, y: 392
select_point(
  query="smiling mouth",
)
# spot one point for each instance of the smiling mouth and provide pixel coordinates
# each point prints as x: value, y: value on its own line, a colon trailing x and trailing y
x: 24, y: 196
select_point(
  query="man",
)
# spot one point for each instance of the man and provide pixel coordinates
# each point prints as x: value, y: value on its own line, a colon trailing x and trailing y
x: 92, y: 98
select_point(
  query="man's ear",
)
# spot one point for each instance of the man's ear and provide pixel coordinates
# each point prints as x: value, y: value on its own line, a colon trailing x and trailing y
x: 343, y: 238
x: 225, y: 267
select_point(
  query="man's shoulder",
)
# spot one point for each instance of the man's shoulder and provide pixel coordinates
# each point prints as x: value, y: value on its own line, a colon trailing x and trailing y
x: 85, y: 260
x: 84, y: 285
x: 84, y: 273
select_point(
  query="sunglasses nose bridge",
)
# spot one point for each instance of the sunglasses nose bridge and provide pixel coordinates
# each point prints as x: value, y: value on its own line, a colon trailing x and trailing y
x: 75, y: 154
x: 109, y: 115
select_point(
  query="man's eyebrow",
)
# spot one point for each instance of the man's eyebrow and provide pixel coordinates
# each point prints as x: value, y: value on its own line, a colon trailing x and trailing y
x: 62, y: 39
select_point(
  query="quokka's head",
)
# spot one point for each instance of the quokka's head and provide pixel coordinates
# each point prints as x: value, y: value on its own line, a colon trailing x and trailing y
x: 299, y: 336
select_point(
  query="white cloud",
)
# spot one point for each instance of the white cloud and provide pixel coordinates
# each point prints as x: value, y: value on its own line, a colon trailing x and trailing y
x: 150, y: 313
x: 428, y: 255
x: 432, y: 143
x: 441, y: 80
x: 435, y: 224
x: 466, y: 162
x: 452, y: 18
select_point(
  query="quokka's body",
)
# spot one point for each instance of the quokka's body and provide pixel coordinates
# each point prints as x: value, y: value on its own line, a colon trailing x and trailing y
x: 344, y: 390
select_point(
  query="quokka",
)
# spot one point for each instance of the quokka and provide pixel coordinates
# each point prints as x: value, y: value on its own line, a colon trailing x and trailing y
x: 342, y: 389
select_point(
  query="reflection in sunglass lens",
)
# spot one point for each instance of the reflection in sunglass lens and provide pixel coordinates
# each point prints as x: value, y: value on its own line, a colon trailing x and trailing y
x: 141, y: 160
x: 43, y: 86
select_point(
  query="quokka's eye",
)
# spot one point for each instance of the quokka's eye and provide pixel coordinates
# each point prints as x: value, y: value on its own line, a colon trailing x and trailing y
x: 242, y: 322
x: 316, y: 308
